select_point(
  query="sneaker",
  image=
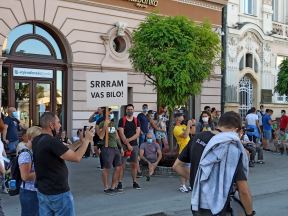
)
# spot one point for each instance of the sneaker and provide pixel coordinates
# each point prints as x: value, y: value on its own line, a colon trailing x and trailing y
x: 136, y: 186
x: 260, y: 161
x: 139, y: 175
x: 251, y: 164
x: 119, y: 186
x: 147, y: 178
x: 109, y: 192
x: 189, y: 188
x: 5, y: 191
x: 183, y: 189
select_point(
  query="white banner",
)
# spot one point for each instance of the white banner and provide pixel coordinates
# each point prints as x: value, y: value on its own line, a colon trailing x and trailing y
x: 29, y: 72
x: 106, y: 89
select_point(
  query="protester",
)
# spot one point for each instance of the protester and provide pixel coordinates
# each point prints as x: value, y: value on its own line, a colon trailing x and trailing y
x: 250, y: 146
x: 152, y: 122
x: 144, y: 121
x: 28, y: 192
x: 267, y: 129
x: 2, y: 166
x: 210, y: 195
x: 150, y: 154
x: 160, y: 131
x: 261, y: 114
x: 181, y: 133
x: 111, y: 154
x: 49, y: 156
x: 11, y: 129
x: 207, y: 109
x: 205, y: 123
x: 214, y: 116
x: 97, y: 117
x: 283, y: 121
x: 253, y: 127
x: 129, y: 131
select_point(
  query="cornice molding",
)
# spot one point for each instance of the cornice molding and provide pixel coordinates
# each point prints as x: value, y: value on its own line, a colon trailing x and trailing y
x: 204, y: 4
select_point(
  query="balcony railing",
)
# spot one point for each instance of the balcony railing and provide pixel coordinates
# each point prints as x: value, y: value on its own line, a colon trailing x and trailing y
x: 280, y: 29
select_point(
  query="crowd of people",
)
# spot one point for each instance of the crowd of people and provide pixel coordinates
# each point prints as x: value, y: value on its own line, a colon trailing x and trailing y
x: 142, y: 140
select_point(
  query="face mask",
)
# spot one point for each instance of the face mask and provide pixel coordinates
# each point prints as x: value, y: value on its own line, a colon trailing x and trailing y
x: 111, y: 116
x: 145, y: 110
x: 149, y: 140
x: 282, y: 114
x: 130, y: 113
x: 15, y: 114
x: 205, y: 119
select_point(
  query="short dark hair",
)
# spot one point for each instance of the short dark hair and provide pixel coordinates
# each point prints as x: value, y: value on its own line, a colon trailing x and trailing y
x: 230, y: 120
x: 267, y: 110
x: 144, y: 105
x: 47, y: 118
x: 253, y: 109
x: 283, y: 111
x: 129, y: 105
x: 213, y: 109
x: 206, y: 107
x: 261, y: 106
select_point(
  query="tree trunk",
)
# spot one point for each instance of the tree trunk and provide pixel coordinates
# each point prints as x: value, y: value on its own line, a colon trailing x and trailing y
x: 171, y: 127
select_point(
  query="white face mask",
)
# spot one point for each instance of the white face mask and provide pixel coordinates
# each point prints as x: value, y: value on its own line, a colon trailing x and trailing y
x: 205, y: 119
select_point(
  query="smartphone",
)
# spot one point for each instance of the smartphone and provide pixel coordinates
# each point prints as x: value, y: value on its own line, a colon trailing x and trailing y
x: 84, y: 129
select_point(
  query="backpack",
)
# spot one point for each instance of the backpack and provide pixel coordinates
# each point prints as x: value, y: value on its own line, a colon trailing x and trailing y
x: 125, y: 120
x: 15, y: 173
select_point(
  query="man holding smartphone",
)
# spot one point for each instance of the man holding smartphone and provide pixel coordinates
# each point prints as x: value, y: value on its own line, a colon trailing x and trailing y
x: 49, y: 155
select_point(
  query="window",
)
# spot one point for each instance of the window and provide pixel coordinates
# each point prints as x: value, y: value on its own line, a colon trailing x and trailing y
x: 250, y: 7
x: 275, y: 10
x: 31, y: 39
x: 33, y: 46
x: 249, y: 60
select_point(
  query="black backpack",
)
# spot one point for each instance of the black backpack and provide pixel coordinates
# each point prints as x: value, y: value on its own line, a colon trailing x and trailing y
x: 15, y: 173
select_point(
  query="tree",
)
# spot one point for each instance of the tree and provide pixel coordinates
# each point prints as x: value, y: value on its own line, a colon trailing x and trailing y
x: 175, y: 54
x: 282, y: 80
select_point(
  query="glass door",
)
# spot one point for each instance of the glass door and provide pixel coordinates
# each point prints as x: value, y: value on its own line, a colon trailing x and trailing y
x: 23, y: 101
x: 42, y: 103
x: 32, y: 99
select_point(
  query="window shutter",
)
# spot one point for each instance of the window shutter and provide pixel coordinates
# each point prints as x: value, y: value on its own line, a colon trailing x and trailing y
x: 266, y: 96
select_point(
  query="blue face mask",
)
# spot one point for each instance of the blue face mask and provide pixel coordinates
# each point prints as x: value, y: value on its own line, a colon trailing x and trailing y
x: 149, y: 140
x: 15, y: 114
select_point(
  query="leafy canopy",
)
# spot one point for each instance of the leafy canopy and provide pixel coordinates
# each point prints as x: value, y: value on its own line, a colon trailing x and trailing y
x: 282, y: 80
x: 175, y: 54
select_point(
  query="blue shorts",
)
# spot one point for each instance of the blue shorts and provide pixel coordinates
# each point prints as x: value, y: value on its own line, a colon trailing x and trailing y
x: 267, y: 134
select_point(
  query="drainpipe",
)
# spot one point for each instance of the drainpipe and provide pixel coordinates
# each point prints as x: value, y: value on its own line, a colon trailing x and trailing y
x: 224, y: 50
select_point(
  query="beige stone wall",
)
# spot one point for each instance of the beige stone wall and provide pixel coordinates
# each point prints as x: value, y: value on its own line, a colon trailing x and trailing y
x: 81, y: 26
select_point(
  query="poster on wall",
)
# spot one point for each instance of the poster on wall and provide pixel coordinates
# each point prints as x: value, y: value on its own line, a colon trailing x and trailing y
x: 106, y: 89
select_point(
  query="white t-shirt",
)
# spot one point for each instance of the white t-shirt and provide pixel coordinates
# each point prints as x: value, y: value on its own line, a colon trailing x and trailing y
x: 251, y: 119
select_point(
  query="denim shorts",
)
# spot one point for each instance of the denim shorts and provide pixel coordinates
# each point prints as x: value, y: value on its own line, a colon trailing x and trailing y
x: 29, y: 202
x: 60, y: 204
x: 267, y: 134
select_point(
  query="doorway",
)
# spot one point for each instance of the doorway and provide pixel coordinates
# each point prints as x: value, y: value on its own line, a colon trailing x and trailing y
x: 31, y: 99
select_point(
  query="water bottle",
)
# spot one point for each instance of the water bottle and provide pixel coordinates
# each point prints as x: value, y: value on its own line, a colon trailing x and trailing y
x: 12, y: 184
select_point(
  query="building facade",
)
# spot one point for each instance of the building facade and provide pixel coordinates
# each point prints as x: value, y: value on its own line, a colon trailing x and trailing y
x: 48, y: 47
x: 256, y: 43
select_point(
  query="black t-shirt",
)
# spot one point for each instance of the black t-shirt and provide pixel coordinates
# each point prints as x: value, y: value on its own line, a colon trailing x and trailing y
x: 51, y: 170
x: 129, y: 129
x: 193, y: 151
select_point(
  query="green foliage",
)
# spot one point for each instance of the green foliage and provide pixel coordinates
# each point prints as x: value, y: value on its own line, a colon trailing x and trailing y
x: 282, y: 80
x: 175, y: 54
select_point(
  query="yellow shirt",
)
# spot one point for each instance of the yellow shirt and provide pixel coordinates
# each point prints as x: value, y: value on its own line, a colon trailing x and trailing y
x: 181, y: 141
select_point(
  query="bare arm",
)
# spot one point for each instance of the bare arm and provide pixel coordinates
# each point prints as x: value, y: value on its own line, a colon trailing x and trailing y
x: 77, y: 156
x: 258, y: 126
x: 92, y: 118
x: 245, y: 196
x: 187, y: 131
x: 180, y: 169
x: 25, y: 171
x: 5, y: 132
x: 159, y: 156
x: 142, y: 156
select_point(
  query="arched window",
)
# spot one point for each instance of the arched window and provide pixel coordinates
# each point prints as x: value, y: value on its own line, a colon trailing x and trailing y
x: 31, y: 39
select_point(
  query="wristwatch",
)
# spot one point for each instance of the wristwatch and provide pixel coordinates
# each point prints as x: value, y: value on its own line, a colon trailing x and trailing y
x: 252, y: 214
